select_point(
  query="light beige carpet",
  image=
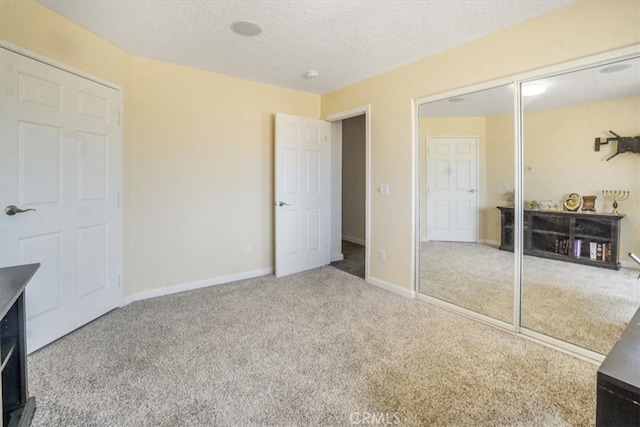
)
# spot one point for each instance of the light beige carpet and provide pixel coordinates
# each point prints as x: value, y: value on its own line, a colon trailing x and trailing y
x: 587, y: 306
x: 319, y: 348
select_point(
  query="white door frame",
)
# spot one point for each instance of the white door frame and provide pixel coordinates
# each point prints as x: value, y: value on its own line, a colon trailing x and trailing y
x: 426, y: 168
x: 119, y: 144
x: 336, y: 185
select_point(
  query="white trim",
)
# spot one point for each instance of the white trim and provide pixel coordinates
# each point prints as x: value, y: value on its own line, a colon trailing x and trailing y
x: 355, y: 240
x: 541, y: 339
x: 346, y: 114
x: 338, y: 257
x: 465, y: 312
x: 630, y: 264
x: 563, y: 346
x: 168, y: 290
x: 565, y: 67
x: 408, y: 293
x: 495, y: 243
x: 64, y: 67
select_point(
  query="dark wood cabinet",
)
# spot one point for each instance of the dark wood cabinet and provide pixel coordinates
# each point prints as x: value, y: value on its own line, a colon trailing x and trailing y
x: 618, y: 396
x: 583, y: 238
x: 17, y: 406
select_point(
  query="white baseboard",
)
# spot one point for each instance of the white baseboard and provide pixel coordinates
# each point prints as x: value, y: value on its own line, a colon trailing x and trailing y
x: 495, y: 243
x: 630, y: 264
x: 355, y: 240
x: 168, y: 290
x: 391, y: 288
x: 338, y: 257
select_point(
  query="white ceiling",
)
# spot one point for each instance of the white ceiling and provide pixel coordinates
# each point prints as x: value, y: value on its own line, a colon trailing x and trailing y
x: 346, y: 41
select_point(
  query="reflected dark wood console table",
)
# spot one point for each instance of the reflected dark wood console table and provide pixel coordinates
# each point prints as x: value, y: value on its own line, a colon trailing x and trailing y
x: 17, y: 406
x: 618, y: 401
x: 578, y: 237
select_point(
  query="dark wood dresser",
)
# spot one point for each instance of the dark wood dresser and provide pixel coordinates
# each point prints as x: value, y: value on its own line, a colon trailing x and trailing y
x: 618, y: 397
x: 17, y: 406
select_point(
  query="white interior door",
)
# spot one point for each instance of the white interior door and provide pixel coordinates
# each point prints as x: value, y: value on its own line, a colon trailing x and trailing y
x: 452, y: 196
x: 60, y: 155
x: 302, y: 194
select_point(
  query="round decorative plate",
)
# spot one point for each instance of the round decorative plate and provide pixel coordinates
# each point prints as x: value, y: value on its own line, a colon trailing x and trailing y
x: 573, y: 202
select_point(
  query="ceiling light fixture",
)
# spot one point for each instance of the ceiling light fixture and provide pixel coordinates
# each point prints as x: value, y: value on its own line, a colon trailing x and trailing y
x: 533, y: 89
x: 615, y: 68
x: 246, y: 28
x: 311, y: 74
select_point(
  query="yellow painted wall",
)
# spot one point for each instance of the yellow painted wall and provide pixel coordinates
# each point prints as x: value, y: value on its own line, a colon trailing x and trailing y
x: 500, y: 170
x: 559, y: 146
x: 203, y: 172
x: 198, y: 153
x: 174, y: 139
x: 578, y: 30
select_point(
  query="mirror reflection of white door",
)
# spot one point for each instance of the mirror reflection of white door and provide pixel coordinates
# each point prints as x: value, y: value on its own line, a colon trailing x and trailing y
x: 452, y: 196
x: 60, y: 154
x: 302, y: 210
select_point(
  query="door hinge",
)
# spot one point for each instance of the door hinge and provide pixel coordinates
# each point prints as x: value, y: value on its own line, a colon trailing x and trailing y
x: 119, y: 285
x: 118, y: 201
x: 118, y: 118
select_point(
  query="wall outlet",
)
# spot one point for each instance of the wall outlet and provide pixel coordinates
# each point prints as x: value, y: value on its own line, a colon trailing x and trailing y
x: 247, y: 248
x: 382, y: 255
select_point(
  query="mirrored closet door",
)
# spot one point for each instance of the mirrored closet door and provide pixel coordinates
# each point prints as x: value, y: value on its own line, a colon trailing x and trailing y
x: 579, y: 167
x: 466, y: 174
x: 574, y: 286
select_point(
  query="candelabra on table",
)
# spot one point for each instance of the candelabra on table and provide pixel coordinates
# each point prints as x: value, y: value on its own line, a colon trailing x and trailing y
x: 615, y: 196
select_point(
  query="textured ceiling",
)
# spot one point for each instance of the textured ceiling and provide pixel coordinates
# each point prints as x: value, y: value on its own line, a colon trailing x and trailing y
x: 345, y: 41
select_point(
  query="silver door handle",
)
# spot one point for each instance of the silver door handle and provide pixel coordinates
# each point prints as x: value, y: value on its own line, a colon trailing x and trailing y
x: 12, y: 210
x: 283, y: 204
x: 472, y: 191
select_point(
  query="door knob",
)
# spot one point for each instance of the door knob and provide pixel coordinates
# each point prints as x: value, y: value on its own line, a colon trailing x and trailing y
x: 283, y: 204
x: 12, y: 210
x: 472, y: 191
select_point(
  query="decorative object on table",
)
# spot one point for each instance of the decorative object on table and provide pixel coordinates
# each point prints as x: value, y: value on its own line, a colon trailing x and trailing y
x: 572, y: 202
x: 625, y: 143
x: 511, y: 196
x: 615, y: 196
x: 547, y: 205
x: 589, y: 203
x: 534, y: 205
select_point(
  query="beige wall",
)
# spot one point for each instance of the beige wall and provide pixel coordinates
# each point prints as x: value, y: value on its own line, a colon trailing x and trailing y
x: 578, y: 30
x: 198, y: 154
x: 177, y: 150
x: 353, y: 178
x: 559, y: 146
x: 202, y: 172
x: 500, y: 170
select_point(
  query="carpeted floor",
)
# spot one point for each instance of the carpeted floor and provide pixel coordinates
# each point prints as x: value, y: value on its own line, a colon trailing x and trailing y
x: 587, y: 306
x: 318, y: 348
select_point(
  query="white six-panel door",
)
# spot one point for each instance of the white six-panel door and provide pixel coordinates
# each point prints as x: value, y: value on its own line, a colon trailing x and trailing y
x: 452, y: 199
x: 60, y: 154
x: 302, y: 194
